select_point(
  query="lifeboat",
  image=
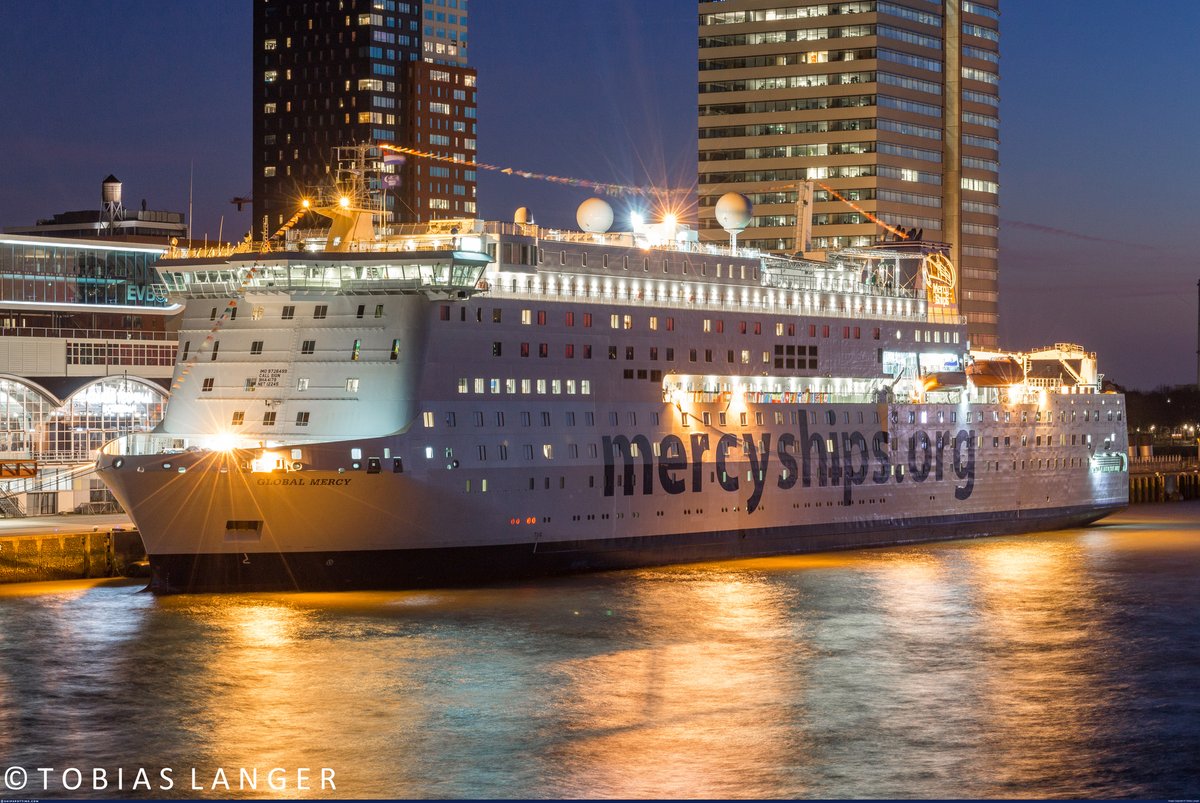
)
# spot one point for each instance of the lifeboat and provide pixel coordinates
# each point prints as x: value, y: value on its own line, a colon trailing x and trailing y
x: 944, y: 380
x: 996, y: 373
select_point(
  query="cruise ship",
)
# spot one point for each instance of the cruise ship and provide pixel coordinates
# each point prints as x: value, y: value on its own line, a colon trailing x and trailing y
x: 469, y: 402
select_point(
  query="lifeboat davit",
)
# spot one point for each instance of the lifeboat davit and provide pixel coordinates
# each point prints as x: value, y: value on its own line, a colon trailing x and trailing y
x: 996, y: 373
x: 944, y: 380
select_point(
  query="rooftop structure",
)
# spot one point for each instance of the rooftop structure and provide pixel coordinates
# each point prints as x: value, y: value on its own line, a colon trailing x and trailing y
x: 111, y: 220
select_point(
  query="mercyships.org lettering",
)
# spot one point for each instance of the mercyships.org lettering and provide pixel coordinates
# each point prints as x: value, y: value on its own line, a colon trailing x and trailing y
x: 848, y: 466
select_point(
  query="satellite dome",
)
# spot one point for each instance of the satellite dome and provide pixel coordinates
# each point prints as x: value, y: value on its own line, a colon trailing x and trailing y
x: 522, y: 216
x: 594, y: 216
x: 733, y: 212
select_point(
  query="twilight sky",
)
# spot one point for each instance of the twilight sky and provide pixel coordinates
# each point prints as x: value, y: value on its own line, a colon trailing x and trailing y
x: 1100, y: 172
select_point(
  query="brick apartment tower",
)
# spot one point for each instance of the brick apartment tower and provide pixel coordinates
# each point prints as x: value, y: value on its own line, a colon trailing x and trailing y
x: 893, y: 103
x: 340, y: 72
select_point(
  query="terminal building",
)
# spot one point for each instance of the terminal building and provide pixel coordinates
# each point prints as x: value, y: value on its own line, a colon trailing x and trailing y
x: 87, y: 348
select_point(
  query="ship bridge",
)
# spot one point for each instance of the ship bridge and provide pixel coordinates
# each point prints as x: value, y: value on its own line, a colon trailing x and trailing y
x: 443, y: 273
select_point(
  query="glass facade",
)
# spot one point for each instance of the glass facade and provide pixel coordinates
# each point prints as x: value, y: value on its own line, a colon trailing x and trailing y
x: 34, y: 425
x: 44, y: 270
x: 922, y: 79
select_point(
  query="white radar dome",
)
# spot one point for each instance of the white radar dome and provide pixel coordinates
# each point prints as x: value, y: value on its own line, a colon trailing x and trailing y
x: 522, y: 216
x: 733, y: 212
x: 594, y: 216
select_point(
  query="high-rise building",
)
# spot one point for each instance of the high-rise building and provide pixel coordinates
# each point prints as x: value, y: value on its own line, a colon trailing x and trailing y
x: 893, y: 104
x: 340, y: 72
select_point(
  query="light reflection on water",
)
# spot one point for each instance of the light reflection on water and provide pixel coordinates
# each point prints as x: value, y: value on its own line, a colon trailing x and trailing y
x: 1051, y: 665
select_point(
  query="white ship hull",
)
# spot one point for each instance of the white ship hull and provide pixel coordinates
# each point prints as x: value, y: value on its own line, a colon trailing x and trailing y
x: 218, y: 526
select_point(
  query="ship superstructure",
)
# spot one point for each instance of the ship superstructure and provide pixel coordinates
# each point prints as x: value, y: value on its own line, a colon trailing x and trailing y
x: 467, y: 401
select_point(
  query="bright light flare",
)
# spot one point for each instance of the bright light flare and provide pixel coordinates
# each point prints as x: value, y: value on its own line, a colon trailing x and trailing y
x: 224, y: 442
x: 267, y: 462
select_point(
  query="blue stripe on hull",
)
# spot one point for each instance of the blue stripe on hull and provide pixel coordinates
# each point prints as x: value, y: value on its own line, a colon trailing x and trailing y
x: 425, y: 568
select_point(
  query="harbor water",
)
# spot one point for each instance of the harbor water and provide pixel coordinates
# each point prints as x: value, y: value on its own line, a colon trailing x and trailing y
x: 1051, y: 665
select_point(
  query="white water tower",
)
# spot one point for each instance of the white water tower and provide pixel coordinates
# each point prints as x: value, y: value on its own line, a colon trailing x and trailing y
x: 110, y: 202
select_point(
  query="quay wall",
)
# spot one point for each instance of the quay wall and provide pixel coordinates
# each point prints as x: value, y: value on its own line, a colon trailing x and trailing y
x: 1163, y: 486
x: 69, y: 555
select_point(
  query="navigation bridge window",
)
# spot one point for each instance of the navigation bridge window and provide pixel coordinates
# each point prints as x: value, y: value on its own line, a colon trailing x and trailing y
x: 456, y: 271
